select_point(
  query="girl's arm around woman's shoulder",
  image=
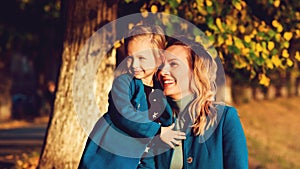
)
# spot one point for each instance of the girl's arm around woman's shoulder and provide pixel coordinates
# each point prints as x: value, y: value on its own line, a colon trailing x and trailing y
x: 235, y: 150
x: 123, y: 113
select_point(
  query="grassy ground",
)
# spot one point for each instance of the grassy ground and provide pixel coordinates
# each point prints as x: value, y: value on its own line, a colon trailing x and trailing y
x: 272, y: 131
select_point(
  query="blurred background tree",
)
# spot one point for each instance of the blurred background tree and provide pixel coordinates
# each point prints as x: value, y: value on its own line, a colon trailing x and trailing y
x: 31, y: 36
x: 258, y: 41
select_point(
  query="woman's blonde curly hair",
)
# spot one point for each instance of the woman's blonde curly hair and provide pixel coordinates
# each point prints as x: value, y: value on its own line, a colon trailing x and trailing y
x: 203, y: 86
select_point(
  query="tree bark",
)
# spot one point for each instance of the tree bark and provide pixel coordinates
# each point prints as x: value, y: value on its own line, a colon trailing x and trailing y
x: 66, y: 134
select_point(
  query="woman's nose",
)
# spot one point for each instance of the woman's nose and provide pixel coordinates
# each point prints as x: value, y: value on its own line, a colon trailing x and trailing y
x: 164, y: 70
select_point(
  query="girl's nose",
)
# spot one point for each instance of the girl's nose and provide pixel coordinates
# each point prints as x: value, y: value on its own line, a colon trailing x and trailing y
x: 135, y: 63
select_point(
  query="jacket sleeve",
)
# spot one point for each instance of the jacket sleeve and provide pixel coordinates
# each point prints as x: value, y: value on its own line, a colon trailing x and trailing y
x: 235, y: 150
x: 123, y: 114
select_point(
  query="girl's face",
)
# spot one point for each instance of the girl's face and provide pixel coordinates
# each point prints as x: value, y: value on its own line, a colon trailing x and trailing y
x: 176, y: 74
x: 141, y: 60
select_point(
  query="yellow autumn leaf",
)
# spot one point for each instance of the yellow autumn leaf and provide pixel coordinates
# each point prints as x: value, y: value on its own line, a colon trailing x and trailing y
x: 220, y: 40
x: 280, y: 28
x: 276, y: 3
x: 277, y: 37
x: 286, y: 44
x: 256, y: 53
x: 264, y: 80
x: 198, y: 39
x: 297, y: 14
x: 130, y: 26
x: 276, y: 61
x: 233, y: 27
x: 221, y: 56
x: 208, y: 33
x: 154, y: 9
x: 271, y: 45
x: 297, y: 56
x: 255, y: 23
x: 241, y: 64
x: 265, y: 51
x: 165, y: 19
x: 258, y: 47
x: 297, y: 33
x: 238, y: 43
x: 184, y: 26
x: 242, y: 29
x: 264, y: 55
x: 201, y: 10
x: 179, y: 1
x: 275, y: 23
x: 289, y: 62
x: 247, y: 38
x: 243, y: 3
x: 238, y: 5
x: 228, y: 41
x: 285, y: 53
x: 261, y: 28
x: 253, y: 33
x: 245, y: 51
x: 287, y: 35
x: 117, y: 44
x: 145, y: 14
x: 209, y: 3
x: 270, y: 64
x: 219, y: 24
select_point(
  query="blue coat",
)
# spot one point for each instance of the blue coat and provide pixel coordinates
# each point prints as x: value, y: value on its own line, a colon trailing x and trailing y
x: 223, y: 146
x: 119, y: 138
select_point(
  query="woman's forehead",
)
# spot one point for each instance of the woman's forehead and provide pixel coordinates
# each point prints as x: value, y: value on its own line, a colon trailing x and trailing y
x: 176, y: 51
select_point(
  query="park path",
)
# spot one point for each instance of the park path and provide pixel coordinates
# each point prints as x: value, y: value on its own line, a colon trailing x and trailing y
x: 18, y: 144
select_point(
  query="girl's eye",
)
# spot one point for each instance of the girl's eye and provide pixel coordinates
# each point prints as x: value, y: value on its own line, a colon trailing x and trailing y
x: 173, y: 64
x: 142, y: 58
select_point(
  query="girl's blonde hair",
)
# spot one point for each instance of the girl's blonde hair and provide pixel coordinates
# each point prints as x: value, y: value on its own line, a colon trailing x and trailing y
x: 204, y: 67
x: 152, y: 33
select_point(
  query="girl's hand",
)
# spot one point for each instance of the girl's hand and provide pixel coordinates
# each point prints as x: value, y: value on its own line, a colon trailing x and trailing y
x: 171, y: 137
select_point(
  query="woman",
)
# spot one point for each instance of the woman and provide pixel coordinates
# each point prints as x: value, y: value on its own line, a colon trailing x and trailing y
x: 214, y: 135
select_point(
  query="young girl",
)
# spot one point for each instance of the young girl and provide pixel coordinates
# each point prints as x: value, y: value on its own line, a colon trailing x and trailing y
x: 136, y: 111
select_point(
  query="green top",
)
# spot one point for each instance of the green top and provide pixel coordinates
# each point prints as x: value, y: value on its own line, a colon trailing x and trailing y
x: 177, y: 159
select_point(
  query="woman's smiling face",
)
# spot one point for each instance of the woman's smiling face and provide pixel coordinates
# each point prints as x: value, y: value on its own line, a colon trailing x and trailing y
x: 175, y: 74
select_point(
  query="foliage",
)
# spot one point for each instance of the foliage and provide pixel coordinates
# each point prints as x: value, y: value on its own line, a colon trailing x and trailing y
x: 25, y: 21
x: 252, y: 38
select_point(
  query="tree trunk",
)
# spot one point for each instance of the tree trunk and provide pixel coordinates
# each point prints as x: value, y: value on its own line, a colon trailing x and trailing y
x: 5, y: 98
x: 66, y: 136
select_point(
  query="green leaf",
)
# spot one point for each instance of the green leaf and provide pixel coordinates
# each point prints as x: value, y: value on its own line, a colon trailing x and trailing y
x: 234, y: 49
x: 173, y: 3
x: 210, y: 23
x: 271, y: 33
x: 261, y: 34
x: 274, y: 52
x: 211, y: 38
x: 210, y: 9
x: 259, y: 61
x: 128, y: 1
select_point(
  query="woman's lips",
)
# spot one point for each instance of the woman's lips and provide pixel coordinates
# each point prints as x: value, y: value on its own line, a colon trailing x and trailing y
x: 168, y: 82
